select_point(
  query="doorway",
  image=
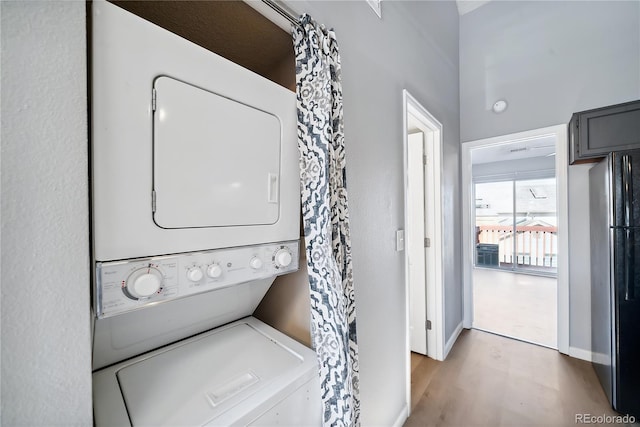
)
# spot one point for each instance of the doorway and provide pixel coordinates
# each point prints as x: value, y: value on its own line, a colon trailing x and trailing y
x: 519, y: 252
x: 516, y: 251
x: 422, y: 147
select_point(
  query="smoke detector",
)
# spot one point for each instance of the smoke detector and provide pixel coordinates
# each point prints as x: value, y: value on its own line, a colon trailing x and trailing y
x: 499, y: 106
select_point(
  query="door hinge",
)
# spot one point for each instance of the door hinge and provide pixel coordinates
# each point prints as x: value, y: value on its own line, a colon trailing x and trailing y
x: 153, y: 201
x: 428, y: 325
x: 153, y: 99
x: 425, y: 159
x: 427, y: 242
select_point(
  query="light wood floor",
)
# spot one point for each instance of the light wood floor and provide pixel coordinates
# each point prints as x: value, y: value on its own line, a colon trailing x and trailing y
x: 489, y: 380
x: 516, y: 305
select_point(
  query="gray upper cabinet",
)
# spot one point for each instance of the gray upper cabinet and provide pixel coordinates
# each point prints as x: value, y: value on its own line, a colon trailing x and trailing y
x: 595, y: 133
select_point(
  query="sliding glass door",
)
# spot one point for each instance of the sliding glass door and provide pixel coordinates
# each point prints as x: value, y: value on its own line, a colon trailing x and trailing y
x: 494, y: 224
x: 516, y: 223
x: 536, y: 225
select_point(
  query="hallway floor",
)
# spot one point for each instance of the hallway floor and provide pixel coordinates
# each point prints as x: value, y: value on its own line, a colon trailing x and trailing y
x: 489, y: 380
x: 521, y: 306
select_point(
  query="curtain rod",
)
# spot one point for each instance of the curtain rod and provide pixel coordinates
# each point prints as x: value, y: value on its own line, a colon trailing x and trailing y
x: 282, y: 12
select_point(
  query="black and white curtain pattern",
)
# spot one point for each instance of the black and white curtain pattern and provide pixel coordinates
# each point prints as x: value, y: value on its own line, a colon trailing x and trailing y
x: 326, y: 220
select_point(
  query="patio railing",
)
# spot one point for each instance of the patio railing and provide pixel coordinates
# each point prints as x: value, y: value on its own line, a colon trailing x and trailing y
x: 535, y: 246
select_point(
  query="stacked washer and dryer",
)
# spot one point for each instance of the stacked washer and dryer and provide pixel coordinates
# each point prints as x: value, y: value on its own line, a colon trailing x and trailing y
x: 195, y: 211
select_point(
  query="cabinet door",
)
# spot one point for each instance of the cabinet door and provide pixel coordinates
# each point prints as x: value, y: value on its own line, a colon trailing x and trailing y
x: 605, y: 130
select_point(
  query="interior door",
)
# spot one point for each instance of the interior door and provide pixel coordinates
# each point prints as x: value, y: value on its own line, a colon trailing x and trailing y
x: 415, y: 244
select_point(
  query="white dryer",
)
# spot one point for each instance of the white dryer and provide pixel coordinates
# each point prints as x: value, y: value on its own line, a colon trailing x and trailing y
x: 190, y: 151
x: 195, y: 211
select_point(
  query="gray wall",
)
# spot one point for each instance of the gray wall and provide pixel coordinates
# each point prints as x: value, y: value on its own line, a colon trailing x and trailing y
x: 414, y: 47
x: 46, y: 356
x: 550, y: 59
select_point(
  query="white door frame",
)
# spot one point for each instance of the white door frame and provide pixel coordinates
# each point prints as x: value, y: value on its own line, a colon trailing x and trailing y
x: 433, y: 229
x: 468, y: 238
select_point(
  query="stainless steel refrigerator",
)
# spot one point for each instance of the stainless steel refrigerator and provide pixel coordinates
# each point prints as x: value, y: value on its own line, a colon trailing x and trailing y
x: 614, y: 186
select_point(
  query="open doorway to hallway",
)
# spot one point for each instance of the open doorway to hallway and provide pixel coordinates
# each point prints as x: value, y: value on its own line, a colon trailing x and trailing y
x: 515, y: 270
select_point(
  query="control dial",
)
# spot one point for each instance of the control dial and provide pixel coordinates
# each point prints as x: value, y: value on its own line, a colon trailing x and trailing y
x: 282, y: 257
x: 214, y: 271
x: 143, y: 282
x: 195, y: 274
x: 255, y: 263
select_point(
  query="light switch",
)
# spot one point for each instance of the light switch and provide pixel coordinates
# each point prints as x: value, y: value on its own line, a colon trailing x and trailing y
x: 399, y: 240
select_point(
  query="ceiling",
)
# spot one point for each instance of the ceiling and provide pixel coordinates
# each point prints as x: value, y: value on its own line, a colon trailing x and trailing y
x: 466, y: 6
x: 527, y: 148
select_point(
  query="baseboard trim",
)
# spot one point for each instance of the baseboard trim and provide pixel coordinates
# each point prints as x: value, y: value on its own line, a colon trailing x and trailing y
x: 452, y: 340
x: 402, y: 417
x: 579, y: 353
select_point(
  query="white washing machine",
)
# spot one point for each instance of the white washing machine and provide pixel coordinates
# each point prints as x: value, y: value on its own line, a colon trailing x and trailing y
x: 244, y: 373
x: 195, y: 211
x: 241, y: 373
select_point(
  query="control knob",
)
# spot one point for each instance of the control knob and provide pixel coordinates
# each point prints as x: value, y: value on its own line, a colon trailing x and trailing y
x: 282, y: 257
x: 143, y: 283
x: 255, y: 263
x: 195, y: 274
x: 214, y: 271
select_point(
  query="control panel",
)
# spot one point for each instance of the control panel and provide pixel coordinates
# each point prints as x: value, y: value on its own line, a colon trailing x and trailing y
x: 123, y: 286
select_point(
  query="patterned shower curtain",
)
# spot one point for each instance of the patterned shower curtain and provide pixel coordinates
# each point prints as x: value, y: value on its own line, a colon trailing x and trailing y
x: 326, y: 220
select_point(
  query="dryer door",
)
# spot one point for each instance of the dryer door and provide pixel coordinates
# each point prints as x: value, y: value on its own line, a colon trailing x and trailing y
x: 208, y: 170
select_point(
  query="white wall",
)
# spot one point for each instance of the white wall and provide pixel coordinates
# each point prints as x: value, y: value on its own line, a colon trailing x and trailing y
x: 550, y: 59
x: 414, y: 47
x: 46, y: 356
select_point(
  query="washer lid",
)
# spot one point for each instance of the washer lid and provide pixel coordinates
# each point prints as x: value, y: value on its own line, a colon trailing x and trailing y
x: 216, y: 161
x: 197, y: 382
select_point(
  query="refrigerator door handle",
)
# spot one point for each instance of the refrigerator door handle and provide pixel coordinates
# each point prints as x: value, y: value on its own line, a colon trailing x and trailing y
x: 627, y: 198
x: 629, y: 270
x: 627, y: 191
